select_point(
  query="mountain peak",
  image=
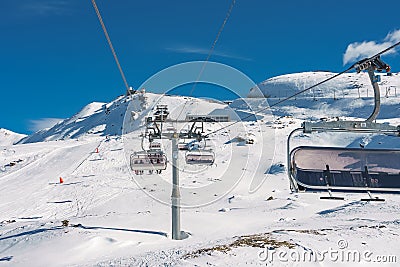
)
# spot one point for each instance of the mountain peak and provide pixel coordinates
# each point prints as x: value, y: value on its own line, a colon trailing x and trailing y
x: 8, y: 137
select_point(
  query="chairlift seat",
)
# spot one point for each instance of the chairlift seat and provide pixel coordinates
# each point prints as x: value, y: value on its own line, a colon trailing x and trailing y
x: 183, y: 146
x: 200, y: 157
x: 347, y: 168
x: 148, y: 160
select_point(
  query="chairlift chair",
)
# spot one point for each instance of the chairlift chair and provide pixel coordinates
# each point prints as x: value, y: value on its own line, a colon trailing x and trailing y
x: 151, y: 160
x: 347, y: 169
x: 200, y: 157
x: 183, y: 146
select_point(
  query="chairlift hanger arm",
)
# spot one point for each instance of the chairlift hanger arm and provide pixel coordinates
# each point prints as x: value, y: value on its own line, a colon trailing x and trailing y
x: 193, y: 131
x: 153, y: 130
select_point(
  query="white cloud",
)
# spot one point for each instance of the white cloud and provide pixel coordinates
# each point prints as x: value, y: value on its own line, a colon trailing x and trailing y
x: 47, y: 7
x: 356, y: 51
x: 393, y: 36
x: 40, y: 124
x: 203, y: 51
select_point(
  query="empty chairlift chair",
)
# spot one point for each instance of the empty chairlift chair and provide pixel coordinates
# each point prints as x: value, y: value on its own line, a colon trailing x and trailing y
x: 200, y: 157
x: 346, y: 168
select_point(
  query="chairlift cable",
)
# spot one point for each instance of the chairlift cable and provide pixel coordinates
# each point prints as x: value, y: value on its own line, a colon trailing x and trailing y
x: 307, y: 89
x: 111, y: 46
x: 210, y: 52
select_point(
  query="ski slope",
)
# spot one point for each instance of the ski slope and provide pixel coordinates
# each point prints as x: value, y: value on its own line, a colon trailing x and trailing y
x: 231, y: 209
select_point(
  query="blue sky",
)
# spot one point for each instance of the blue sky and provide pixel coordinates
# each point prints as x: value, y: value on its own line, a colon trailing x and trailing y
x: 55, y: 59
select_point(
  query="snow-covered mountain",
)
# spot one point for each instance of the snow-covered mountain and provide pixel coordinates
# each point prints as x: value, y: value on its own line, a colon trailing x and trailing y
x: 349, y: 95
x: 107, y: 119
x: 8, y: 137
x: 346, y: 85
x: 105, y: 215
x: 92, y: 119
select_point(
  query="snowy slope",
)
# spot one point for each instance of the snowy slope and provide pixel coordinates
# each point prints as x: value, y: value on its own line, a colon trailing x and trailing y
x: 232, y: 209
x: 8, y: 137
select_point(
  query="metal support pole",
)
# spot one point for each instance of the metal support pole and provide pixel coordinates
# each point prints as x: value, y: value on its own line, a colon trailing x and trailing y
x: 293, y: 184
x: 176, y: 196
x: 377, y: 95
